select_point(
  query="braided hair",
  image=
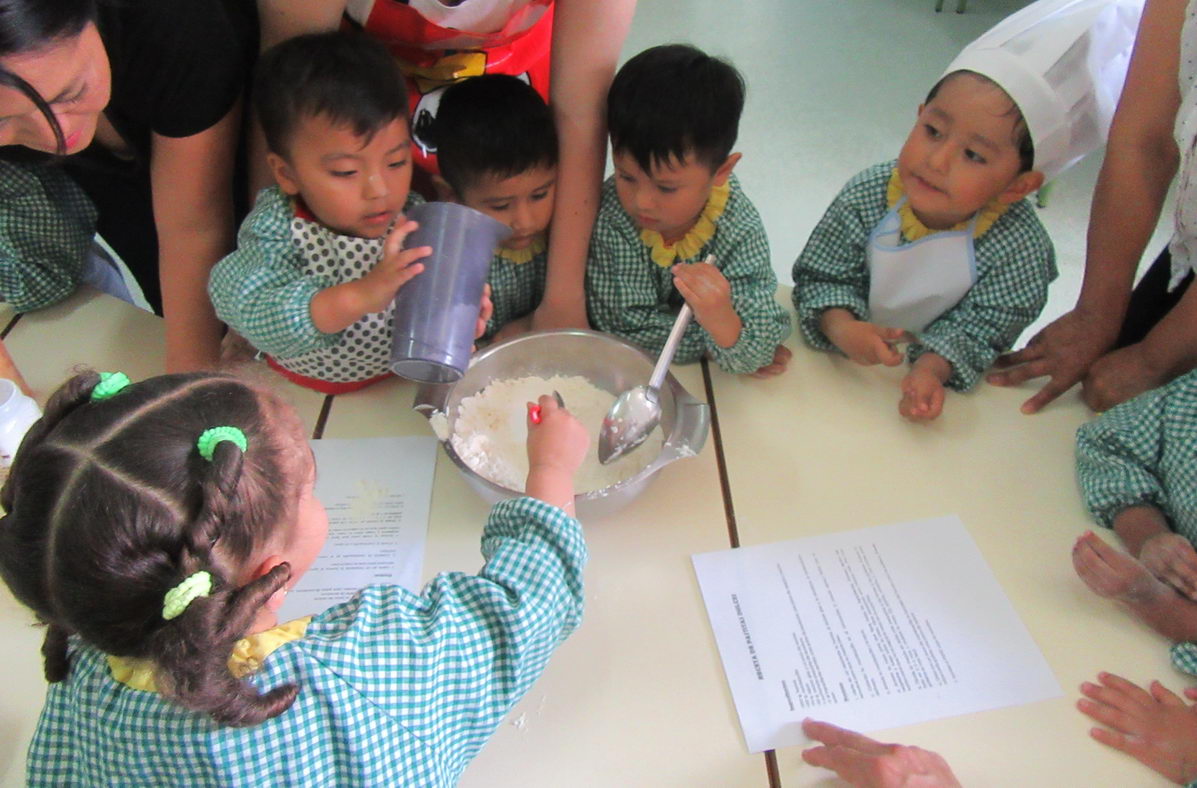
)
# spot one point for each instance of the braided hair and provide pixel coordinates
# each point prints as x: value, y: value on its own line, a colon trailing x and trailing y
x: 109, y: 505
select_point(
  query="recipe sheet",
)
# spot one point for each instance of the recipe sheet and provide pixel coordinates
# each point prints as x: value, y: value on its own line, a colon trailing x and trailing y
x: 377, y: 493
x: 868, y: 629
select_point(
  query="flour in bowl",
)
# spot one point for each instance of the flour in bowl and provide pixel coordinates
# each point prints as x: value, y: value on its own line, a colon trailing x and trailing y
x: 491, y: 430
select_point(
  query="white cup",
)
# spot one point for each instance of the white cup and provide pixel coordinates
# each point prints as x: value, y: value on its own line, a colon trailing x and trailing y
x: 17, y: 414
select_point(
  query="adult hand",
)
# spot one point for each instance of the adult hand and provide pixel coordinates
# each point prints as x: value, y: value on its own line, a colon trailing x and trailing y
x: 1118, y: 376
x: 1064, y: 350
x: 867, y: 763
x: 1156, y: 728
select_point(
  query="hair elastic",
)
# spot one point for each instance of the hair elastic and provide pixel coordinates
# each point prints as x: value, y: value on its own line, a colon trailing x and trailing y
x: 191, y: 588
x: 111, y: 384
x: 210, y: 437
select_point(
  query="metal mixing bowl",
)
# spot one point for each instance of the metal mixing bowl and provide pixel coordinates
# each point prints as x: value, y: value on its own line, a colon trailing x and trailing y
x: 610, y: 364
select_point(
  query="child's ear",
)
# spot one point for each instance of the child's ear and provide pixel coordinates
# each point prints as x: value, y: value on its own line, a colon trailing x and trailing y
x: 1023, y: 184
x: 444, y: 192
x: 725, y: 169
x: 282, y: 173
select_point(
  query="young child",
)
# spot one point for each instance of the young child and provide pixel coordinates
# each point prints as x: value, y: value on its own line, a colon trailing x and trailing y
x: 673, y: 113
x: 938, y: 248
x: 1136, y: 466
x: 497, y: 148
x: 155, y: 527
x: 319, y: 259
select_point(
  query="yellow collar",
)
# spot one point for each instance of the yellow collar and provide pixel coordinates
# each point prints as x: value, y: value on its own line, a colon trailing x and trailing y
x: 537, y: 246
x: 246, y: 658
x: 689, y: 245
x: 913, y: 229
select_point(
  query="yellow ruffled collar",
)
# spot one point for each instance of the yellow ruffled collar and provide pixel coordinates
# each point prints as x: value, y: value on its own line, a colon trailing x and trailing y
x: 524, y: 255
x: 247, y: 656
x: 913, y: 229
x: 688, y: 246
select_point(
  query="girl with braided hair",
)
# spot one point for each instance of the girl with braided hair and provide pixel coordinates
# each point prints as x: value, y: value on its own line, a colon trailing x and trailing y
x: 155, y: 527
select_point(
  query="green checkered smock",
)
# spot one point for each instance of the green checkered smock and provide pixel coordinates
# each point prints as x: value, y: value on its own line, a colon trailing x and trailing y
x: 629, y: 295
x: 1015, y: 263
x: 46, y: 228
x: 396, y: 689
x: 515, y: 289
x: 264, y: 289
x: 1144, y: 453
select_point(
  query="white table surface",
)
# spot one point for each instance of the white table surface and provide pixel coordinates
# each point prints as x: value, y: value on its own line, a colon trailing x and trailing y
x: 822, y: 448
x: 635, y: 697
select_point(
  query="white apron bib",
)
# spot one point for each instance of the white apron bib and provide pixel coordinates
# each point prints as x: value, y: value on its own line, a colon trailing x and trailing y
x: 910, y: 285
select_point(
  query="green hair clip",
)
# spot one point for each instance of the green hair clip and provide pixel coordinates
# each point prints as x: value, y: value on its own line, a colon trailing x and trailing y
x: 178, y: 598
x: 111, y: 384
x: 214, y: 435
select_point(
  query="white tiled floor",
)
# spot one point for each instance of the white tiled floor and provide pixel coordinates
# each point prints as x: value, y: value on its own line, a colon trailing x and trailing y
x: 833, y: 86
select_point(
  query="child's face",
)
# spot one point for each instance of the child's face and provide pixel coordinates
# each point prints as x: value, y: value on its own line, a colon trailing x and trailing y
x: 351, y: 186
x: 961, y: 153
x: 670, y: 198
x: 523, y: 202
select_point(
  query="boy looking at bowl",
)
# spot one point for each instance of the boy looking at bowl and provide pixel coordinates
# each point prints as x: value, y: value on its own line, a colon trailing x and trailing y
x: 320, y: 257
x: 497, y: 149
x: 673, y: 114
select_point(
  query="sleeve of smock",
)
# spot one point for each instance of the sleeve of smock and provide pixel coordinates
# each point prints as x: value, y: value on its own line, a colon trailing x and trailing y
x: 261, y: 291
x: 746, y: 264
x: 450, y: 663
x: 1009, y: 294
x: 46, y: 228
x: 831, y: 272
x: 622, y: 293
x: 1118, y: 454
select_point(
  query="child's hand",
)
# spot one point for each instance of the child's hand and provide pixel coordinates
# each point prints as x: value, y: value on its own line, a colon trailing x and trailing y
x: 340, y: 306
x: 708, y: 293
x: 922, y: 396
x: 781, y: 357
x: 867, y: 763
x: 864, y: 343
x: 1171, y: 557
x: 486, y: 308
x: 1155, y: 727
x: 396, y: 268
x: 557, y: 444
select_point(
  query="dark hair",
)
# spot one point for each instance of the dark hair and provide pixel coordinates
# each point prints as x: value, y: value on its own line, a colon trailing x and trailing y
x: 1022, y: 133
x: 345, y: 76
x: 493, y: 124
x: 674, y: 101
x: 27, y: 25
x: 109, y: 505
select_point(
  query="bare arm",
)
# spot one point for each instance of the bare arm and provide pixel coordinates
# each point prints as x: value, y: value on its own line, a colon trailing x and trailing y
x: 191, y: 181
x: 587, y: 38
x: 1140, y: 162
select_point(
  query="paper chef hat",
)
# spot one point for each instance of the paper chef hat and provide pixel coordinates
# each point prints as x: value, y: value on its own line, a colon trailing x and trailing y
x: 1063, y: 62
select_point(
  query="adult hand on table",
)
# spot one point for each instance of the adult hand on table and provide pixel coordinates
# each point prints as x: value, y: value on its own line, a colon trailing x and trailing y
x: 1156, y: 728
x: 867, y: 763
x: 1064, y: 350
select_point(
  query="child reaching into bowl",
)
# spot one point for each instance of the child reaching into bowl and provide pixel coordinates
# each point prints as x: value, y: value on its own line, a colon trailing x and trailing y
x: 155, y: 528
x: 938, y: 248
x: 320, y: 259
x: 673, y: 113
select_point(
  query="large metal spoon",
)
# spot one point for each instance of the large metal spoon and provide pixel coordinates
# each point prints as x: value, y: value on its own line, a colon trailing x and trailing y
x: 637, y: 412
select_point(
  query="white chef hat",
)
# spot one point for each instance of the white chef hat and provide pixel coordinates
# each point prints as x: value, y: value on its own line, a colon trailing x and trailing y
x: 1063, y: 62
